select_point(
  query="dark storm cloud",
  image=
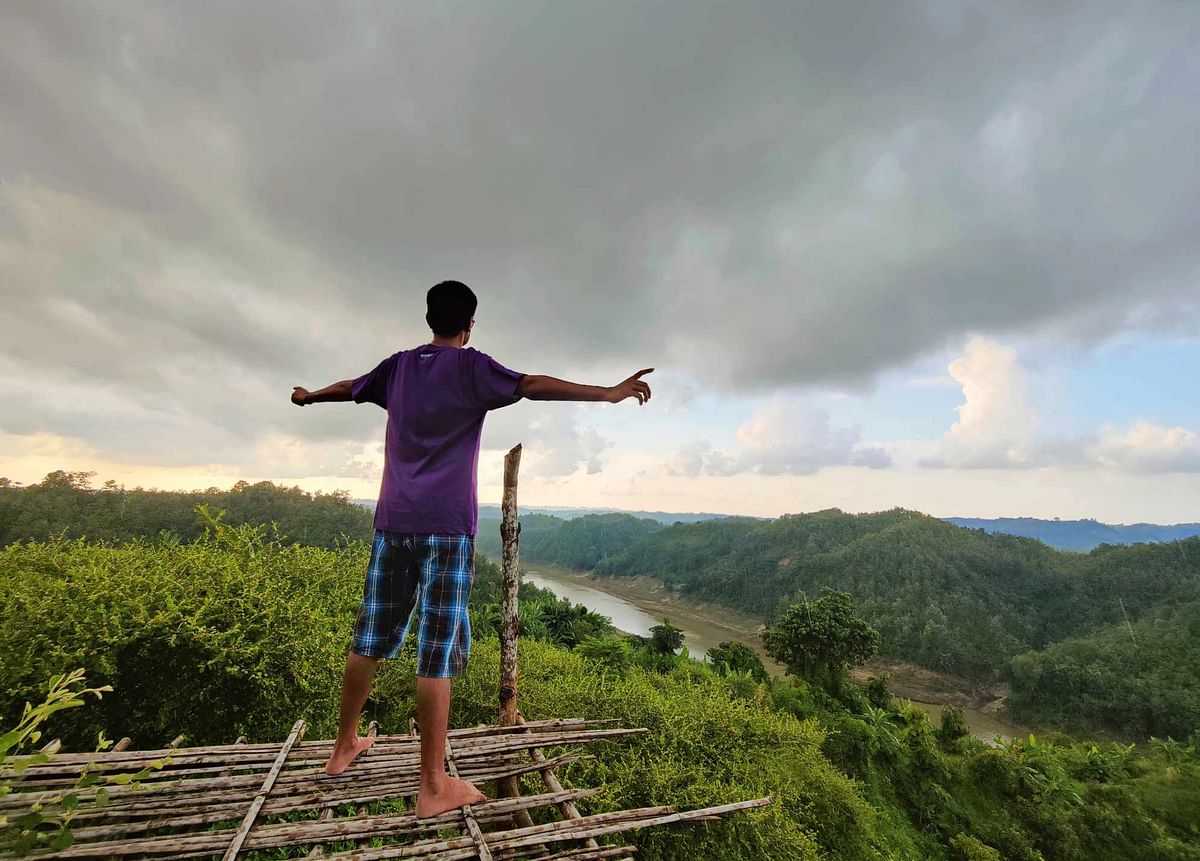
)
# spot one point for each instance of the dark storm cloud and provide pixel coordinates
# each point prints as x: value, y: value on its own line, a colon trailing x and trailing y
x: 202, y: 204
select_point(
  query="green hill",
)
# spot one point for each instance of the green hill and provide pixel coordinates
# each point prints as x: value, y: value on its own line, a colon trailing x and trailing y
x: 956, y: 600
x: 582, y: 542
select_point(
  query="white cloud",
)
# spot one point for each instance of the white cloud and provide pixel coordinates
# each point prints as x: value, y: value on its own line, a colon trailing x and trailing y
x: 997, y: 427
x: 996, y: 421
x: 783, y: 438
x: 1148, y: 448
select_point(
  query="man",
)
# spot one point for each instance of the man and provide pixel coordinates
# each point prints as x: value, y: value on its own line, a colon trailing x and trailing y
x: 423, y: 554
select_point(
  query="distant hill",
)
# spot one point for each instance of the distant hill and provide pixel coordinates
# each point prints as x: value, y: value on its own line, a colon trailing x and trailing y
x: 492, y: 512
x: 582, y: 542
x: 1076, y: 535
x: 1080, y: 535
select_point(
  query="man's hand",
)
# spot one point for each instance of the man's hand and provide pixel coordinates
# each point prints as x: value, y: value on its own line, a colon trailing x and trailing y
x: 300, y: 396
x: 634, y: 387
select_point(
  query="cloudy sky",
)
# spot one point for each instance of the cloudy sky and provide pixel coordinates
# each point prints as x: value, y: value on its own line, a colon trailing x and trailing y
x: 932, y: 254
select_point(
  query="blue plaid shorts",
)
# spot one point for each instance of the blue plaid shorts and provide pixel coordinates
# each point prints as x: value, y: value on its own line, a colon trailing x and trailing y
x: 430, y: 574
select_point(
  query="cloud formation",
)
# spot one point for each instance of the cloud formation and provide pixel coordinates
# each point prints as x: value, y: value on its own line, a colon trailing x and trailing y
x: 997, y: 427
x: 202, y: 205
x: 783, y: 438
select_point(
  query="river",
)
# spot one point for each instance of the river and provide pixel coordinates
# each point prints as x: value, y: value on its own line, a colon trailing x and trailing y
x: 704, y: 626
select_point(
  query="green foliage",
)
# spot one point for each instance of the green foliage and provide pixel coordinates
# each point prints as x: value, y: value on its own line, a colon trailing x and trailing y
x: 581, y: 542
x: 610, y: 653
x: 1140, y: 678
x: 967, y: 848
x: 732, y: 656
x: 238, y: 633
x: 64, y: 504
x: 820, y: 640
x: 703, y: 747
x: 953, y: 725
x: 666, y: 639
x: 46, y: 824
x: 877, y: 692
x: 232, y: 634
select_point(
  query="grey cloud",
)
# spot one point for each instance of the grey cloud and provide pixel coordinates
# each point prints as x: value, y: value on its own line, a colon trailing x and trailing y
x: 556, y: 437
x: 756, y: 195
x: 783, y: 438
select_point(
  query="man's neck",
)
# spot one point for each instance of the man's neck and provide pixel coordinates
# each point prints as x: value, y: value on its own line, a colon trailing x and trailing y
x: 455, y: 341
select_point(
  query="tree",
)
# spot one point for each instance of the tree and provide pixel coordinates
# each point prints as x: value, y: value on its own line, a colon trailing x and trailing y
x: 610, y: 651
x: 819, y: 640
x: 666, y: 639
x: 733, y: 656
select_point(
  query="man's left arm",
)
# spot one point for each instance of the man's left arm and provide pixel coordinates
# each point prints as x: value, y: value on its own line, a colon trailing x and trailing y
x: 537, y: 387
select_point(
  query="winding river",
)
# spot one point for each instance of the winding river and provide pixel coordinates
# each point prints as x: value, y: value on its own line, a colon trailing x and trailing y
x: 704, y: 626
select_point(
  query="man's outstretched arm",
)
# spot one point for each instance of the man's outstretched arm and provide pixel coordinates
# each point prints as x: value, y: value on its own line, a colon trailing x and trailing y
x: 541, y: 388
x: 337, y: 392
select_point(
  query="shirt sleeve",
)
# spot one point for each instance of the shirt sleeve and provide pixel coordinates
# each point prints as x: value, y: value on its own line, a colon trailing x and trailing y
x: 492, y: 385
x: 372, y: 387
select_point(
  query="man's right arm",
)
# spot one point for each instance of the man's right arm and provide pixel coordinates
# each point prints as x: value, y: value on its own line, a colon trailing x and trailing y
x: 340, y: 391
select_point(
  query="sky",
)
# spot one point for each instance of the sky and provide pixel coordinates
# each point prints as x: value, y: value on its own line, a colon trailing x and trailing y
x: 938, y: 255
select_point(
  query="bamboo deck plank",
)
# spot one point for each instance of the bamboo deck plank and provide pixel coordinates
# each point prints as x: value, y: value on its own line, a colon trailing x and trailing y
x: 268, y: 783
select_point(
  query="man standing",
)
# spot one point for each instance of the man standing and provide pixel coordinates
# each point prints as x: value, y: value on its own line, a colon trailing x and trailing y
x: 423, y: 554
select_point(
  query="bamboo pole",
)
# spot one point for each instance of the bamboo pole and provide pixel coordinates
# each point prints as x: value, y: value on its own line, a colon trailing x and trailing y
x: 265, y: 753
x: 251, y: 814
x: 327, y: 813
x: 468, y: 814
x: 550, y: 779
x: 278, y: 835
x: 185, y: 781
x: 214, y: 785
x: 589, y: 826
x: 219, y: 807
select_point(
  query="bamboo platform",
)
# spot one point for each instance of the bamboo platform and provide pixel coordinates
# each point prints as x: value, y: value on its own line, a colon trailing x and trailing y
x: 234, y: 800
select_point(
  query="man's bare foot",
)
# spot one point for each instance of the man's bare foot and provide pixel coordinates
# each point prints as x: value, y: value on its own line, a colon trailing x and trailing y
x: 343, y: 755
x: 454, y: 794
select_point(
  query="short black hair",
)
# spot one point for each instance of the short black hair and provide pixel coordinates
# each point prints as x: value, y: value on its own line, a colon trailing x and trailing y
x: 451, y: 305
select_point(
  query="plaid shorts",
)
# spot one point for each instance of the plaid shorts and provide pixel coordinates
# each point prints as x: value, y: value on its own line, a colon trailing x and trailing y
x: 431, y: 574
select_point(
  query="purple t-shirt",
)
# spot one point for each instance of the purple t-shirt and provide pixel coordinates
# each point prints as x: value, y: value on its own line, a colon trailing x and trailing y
x: 436, y: 398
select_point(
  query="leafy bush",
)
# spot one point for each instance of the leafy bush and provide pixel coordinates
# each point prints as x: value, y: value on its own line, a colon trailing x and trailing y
x: 233, y: 634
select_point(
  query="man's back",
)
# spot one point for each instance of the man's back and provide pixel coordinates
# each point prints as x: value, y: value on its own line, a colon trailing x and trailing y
x: 436, y: 397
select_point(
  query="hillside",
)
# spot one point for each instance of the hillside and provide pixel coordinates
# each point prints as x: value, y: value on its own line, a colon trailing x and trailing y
x: 956, y: 600
x: 66, y: 504
x: 581, y: 543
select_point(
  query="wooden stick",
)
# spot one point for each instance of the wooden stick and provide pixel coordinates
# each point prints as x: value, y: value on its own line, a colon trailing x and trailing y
x: 510, y: 529
x: 328, y: 813
x: 123, y: 744
x: 473, y: 828
x: 589, y: 854
x: 567, y: 807
x: 255, y: 806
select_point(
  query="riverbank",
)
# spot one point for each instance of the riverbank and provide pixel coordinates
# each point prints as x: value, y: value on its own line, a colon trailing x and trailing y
x: 636, y: 603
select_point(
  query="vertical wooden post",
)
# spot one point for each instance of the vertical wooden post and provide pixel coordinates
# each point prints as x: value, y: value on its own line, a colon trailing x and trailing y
x: 510, y: 529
